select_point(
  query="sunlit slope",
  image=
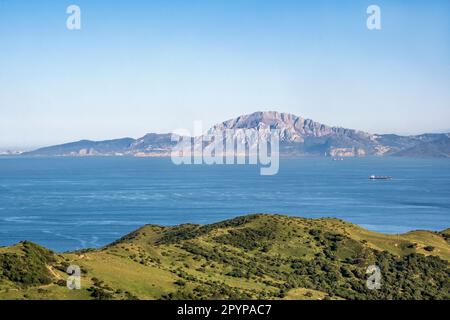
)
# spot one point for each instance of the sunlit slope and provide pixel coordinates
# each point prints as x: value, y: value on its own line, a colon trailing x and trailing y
x: 249, y: 257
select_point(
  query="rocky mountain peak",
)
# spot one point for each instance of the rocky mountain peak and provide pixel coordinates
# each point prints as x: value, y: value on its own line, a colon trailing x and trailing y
x: 292, y: 128
x: 271, y: 119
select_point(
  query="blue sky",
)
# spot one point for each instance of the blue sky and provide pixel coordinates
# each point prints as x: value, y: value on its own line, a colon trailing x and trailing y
x: 155, y: 66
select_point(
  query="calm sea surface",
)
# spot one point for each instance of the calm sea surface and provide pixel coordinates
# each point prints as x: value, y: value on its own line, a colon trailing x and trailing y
x: 73, y: 203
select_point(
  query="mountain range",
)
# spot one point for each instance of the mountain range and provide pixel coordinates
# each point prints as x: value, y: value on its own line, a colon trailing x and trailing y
x: 298, y: 137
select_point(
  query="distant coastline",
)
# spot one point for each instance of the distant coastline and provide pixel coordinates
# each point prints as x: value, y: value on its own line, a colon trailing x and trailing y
x: 298, y: 137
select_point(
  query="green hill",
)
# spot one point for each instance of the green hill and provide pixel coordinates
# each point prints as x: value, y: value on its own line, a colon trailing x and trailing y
x: 250, y: 257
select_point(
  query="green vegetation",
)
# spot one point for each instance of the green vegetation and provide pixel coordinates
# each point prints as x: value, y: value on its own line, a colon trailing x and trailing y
x: 250, y: 257
x: 28, y: 267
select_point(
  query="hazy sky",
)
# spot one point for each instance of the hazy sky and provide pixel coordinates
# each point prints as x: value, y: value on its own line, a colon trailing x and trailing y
x: 155, y: 66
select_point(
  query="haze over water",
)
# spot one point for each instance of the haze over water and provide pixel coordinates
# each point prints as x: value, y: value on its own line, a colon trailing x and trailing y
x: 74, y: 203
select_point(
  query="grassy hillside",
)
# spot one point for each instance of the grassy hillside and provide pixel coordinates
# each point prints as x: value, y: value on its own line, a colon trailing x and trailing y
x: 249, y: 257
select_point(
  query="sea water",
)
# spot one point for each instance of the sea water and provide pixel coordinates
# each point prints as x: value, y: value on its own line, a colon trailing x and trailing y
x: 67, y: 203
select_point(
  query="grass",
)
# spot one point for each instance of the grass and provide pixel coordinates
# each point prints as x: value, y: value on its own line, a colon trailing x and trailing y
x: 250, y: 257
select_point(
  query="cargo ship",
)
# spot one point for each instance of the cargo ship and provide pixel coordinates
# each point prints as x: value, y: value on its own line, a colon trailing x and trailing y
x: 374, y: 177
